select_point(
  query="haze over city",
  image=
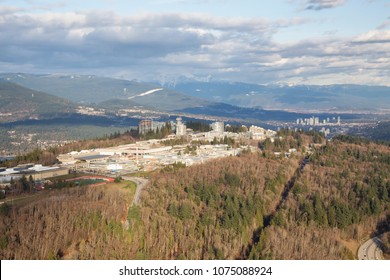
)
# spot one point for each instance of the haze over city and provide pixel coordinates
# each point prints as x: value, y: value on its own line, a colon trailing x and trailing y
x: 263, y: 42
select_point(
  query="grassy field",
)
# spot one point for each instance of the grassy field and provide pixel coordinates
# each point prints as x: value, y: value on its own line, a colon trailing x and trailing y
x: 129, y: 185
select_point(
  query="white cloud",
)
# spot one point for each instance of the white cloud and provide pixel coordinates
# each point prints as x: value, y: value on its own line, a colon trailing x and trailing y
x: 373, y: 36
x: 323, y: 4
x: 147, y: 46
x: 4, y: 10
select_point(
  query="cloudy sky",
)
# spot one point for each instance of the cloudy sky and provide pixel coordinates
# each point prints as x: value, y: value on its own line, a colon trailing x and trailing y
x: 257, y: 41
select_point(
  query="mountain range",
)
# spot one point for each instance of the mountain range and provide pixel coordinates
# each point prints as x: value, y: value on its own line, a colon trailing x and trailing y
x: 17, y: 102
x: 337, y: 98
x: 30, y: 95
x: 89, y: 89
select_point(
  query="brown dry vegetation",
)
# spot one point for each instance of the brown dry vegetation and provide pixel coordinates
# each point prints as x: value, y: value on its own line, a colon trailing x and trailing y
x: 210, y: 211
x: 340, y: 198
x: 230, y: 208
x: 77, y: 223
x: 386, y: 245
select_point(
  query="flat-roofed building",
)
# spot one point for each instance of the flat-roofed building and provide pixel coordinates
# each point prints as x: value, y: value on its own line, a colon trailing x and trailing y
x: 38, y: 172
x: 47, y: 173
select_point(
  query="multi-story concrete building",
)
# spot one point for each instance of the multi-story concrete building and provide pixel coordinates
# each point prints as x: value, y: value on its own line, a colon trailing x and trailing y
x: 180, y: 127
x: 218, y: 127
x: 145, y: 126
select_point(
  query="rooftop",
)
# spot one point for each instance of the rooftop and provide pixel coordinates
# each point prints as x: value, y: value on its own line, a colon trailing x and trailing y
x: 92, y: 157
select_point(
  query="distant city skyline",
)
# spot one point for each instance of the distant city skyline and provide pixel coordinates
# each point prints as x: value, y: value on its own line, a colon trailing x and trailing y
x: 263, y: 42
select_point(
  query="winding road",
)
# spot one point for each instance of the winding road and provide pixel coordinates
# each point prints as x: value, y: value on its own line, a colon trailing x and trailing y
x: 141, y: 183
x: 371, y: 249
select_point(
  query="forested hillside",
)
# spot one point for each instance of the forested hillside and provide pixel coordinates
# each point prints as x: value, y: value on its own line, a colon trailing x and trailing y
x: 321, y: 205
x: 340, y: 198
x: 210, y: 211
x: 226, y: 209
x: 17, y: 103
x: 67, y: 223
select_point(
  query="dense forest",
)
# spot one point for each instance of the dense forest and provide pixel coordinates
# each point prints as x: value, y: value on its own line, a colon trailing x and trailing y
x: 318, y: 203
x: 210, y: 211
x: 380, y: 132
x: 231, y: 209
x: 340, y: 198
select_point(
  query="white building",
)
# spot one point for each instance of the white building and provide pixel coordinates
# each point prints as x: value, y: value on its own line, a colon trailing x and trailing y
x: 259, y: 133
x: 256, y: 129
x: 180, y: 127
x: 218, y: 127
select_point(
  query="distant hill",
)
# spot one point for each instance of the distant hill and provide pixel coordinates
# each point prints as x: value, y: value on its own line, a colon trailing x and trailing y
x: 17, y: 103
x: 78, y: 88
x: 115, y: 104
x: 380, y: 132
x: 281, y: 97
x: 259, y: 115
x: 91, y: 89
x: 217, y: 98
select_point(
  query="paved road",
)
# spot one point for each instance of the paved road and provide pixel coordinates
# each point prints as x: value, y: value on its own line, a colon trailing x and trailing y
x: 141, y: 183
x: 371, y: 249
